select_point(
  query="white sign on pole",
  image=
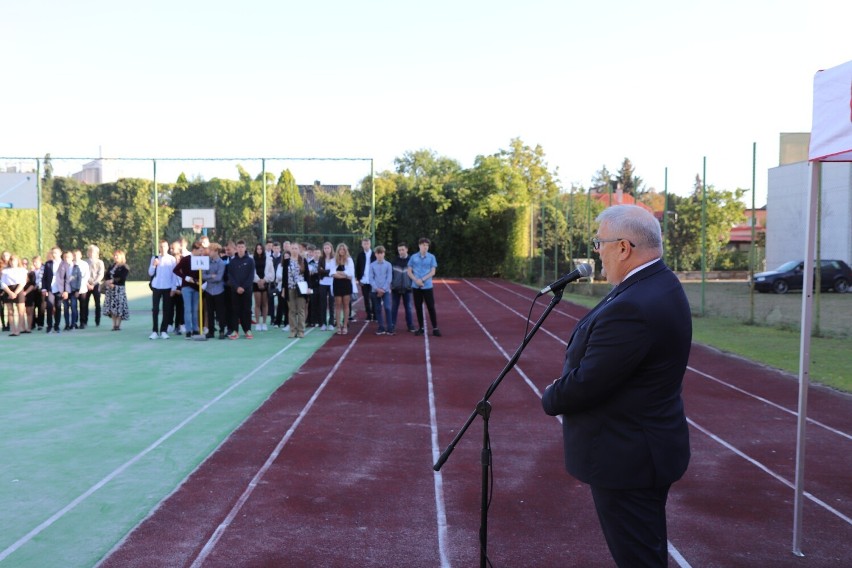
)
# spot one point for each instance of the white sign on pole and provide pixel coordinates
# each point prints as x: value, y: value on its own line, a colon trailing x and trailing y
x: 199, y: 262
x: 831, y: 133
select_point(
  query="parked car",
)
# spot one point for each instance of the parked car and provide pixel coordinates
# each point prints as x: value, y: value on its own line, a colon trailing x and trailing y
x: 836, y: 275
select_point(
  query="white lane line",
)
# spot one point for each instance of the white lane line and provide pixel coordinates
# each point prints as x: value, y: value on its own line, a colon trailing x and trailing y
x: 677, y: 556
x: 770, y: 403
x: 497, y: 345
x: 509, y: 308
x: 440, y: 508
x: 846, y: 435
x: 119, y: 470
x: 766, y: 469
x: 675, y: 553
x: 526, y: 297
x: 220, y: 530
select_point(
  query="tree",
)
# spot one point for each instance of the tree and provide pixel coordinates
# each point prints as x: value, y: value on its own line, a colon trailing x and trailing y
x: 724, y: 209
x: 290, y: 199
x: 630, y: 182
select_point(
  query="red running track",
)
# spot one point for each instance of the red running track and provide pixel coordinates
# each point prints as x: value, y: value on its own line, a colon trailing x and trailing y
x: 335, y: 469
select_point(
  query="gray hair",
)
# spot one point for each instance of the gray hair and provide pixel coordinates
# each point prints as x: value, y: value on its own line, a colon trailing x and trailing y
x: 634, y: 223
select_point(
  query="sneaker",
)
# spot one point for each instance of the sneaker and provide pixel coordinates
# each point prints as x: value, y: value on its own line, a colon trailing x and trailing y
x: 419, y: 332
x: 300, y: 335
x: 380, y: 332
x: 234, y: 335
x: 182, y: 329
x: 412, y: 329
x: 436, y: 332
x: 249, y: 335
x: 391, y: 332
x: 205, y: 330
x: 189, y: 335
x: 286, y: 328
x: 324, y: 327
x: 170, y: 329
x: 164, y: 335
x: 154, y: 335
x: 222, y: 335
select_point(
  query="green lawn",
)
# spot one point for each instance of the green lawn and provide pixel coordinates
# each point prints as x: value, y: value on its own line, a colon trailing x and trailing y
x: 831, y: 358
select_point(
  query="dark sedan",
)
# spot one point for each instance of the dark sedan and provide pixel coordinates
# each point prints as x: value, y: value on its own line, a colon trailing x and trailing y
x: 836, y: 275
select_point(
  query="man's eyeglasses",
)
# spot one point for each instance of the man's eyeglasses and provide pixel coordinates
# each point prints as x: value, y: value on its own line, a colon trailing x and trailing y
x: 596, y: 242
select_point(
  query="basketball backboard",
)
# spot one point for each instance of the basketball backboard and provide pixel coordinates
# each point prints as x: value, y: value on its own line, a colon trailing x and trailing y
x: 18, y: 190
x: 198, y: 219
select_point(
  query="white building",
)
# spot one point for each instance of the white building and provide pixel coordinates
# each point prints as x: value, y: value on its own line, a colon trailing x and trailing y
x: 787, y: 206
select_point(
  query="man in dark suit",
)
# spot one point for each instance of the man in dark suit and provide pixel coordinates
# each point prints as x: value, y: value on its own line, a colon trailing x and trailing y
x: 624, y: 427
x: 362, y: 276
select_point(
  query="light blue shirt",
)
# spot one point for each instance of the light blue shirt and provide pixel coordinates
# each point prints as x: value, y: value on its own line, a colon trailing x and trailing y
x: 421, y: 266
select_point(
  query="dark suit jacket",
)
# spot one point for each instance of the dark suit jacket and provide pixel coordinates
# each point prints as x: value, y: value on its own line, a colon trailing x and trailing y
x: 362, y: 263
x: 620, y: 390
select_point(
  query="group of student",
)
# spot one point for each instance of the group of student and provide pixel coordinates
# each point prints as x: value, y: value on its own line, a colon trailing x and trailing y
x: 289, y: 286
x: 37, y: 294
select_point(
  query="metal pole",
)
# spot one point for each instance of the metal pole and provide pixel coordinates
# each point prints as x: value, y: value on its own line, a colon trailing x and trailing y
x: 372, y: 205
x: 752, y: 251
x: 805, y: 355
x: 38, y: 207
x: 703, y: 232
x: 263, y: 176
x: 589, y: 223
x: 665, y: 206
x: 156, y: 210
x: 541, y: 242
x: 569, y: 219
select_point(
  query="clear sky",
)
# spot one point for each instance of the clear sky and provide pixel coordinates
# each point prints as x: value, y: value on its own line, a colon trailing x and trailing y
x: 662, y: 82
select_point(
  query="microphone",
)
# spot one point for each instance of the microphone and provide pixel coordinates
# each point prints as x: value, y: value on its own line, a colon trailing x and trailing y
x: 581, y: 272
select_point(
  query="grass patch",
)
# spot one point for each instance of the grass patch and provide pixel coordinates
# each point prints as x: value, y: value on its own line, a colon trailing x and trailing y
x: 830, y: 357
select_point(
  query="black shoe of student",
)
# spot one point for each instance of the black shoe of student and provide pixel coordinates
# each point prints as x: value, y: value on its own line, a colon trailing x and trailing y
x: 189, y: 335
x: 419, y: 332
x: 436, y: 332
x: 210, y: 335
x: 66, y: 328
x: 221, y: 335
x: 82, y: 326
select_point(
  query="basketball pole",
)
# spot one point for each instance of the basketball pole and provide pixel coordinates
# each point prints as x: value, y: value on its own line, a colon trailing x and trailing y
x: 201, y: 335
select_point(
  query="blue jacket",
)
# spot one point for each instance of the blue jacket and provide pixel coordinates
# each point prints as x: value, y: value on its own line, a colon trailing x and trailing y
x: 241, y: 272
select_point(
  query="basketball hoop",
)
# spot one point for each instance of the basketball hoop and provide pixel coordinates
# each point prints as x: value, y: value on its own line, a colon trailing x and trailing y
x: 197, y: 225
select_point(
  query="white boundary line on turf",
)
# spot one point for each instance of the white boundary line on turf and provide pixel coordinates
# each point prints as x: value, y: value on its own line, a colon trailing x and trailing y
x: 676, y: 555
x: 437, y: 476
x: 232, y: 514
x: 118, y: 471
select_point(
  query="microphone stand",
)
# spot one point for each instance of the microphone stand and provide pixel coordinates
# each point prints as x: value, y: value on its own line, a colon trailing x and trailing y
x: 483, y: 409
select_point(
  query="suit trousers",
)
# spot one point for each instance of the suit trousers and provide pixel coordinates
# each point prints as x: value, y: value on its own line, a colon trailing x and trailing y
x: 634, y: 525
x: 424, y: 295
